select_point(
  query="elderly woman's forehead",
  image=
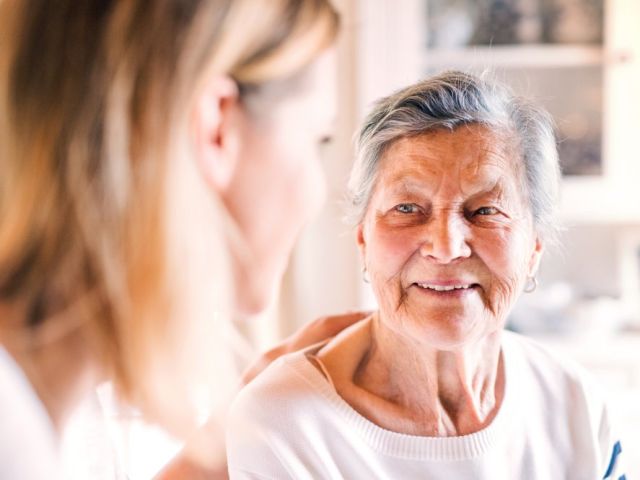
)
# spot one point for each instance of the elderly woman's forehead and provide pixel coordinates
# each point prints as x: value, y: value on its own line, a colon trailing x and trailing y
x: 471, y: 148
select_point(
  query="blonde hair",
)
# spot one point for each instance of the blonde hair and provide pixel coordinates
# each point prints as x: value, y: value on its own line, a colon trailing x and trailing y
x: 104, y: 217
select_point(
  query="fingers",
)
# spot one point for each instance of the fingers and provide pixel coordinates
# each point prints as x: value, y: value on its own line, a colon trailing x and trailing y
x: 261, y: 364
x: 318, y: 330
x: 182, y: 467
x: 324, y: 328
x: 337, y: 323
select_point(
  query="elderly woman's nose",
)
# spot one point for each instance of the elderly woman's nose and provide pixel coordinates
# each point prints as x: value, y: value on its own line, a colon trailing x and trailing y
x: 445, y: 240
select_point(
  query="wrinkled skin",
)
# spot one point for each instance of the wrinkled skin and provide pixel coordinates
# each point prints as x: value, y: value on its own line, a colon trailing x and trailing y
x: 449, y: 207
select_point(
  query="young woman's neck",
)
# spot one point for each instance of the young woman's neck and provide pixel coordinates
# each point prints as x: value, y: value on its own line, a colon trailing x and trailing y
x: 62, y: 371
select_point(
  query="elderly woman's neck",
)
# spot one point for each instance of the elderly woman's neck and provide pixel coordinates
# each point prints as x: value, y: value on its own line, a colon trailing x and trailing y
x: 437, y: 392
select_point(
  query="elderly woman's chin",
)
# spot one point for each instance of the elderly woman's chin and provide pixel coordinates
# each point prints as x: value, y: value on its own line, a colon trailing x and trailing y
x: 442, y: 320
x: 441, y: 328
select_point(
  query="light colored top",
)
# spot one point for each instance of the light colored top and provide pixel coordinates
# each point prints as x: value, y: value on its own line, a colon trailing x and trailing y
x: 28, y: 440
x: 289, y: 423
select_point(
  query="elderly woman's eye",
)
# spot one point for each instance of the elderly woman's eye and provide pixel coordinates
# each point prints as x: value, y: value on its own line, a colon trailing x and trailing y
x: 486, y: 211
x: 406, y: 208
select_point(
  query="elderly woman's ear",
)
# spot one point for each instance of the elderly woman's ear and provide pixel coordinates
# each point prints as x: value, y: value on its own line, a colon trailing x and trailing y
x: 536, y: 256
x: 216, y: 130
x: 360, y: 241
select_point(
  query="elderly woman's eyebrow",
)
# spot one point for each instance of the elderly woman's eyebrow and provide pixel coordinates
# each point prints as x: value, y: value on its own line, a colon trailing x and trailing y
x: 494, y: 187
x: 407, y: 186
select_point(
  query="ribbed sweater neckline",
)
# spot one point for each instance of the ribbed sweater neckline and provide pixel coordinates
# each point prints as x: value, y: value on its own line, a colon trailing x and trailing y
x: 416, y: 447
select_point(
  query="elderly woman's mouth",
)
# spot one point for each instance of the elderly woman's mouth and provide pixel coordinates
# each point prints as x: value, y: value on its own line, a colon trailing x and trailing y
x: 446, y: 288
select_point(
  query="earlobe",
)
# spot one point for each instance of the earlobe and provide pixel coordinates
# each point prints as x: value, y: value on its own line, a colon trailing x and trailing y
x: 216, y: 135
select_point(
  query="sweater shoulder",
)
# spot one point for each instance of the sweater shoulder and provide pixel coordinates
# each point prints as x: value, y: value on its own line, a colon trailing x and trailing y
x: 283, y: 384
x: 287, y: 396
x: 267, y: 414
x: 544, y: 359
x: 554, y: 375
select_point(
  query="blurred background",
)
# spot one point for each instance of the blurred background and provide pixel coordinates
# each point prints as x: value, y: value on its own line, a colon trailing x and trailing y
x: 578, y: 58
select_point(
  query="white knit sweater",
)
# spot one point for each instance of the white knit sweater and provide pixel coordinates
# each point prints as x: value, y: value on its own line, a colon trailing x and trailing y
x: 290, y: 424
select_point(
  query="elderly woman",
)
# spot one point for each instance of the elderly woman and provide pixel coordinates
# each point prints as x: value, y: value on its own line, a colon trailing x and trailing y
x: 454, y: 192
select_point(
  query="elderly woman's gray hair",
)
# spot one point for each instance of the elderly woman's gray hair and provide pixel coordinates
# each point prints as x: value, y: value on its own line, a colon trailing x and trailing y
x: 450, y: 100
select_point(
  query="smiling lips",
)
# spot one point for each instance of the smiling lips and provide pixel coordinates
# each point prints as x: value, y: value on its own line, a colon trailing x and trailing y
x: 445, y: 287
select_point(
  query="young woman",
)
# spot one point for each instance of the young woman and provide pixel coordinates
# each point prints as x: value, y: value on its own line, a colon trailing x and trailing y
x: 158, y: 159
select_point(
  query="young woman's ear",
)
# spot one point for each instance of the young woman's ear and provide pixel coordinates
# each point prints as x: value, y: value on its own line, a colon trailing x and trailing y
x: 217, y: 131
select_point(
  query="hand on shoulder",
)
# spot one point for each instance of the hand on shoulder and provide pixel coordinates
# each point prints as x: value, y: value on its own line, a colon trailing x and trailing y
x: 316, y: 331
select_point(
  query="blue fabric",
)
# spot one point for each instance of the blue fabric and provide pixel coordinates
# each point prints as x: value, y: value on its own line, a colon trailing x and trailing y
x: 617, y: 449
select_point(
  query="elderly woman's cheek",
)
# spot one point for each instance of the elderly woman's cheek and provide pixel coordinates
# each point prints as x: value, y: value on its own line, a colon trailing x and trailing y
x: 388, y: 250
x: 505, y: 256
x: 501, y: 294
x: 392, y: 247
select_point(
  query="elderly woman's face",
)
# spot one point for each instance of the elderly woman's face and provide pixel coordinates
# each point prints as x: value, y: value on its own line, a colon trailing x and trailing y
x: 448, y: 239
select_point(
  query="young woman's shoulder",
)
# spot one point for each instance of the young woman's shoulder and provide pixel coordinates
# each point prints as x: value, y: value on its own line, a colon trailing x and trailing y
x: 26, y: 432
